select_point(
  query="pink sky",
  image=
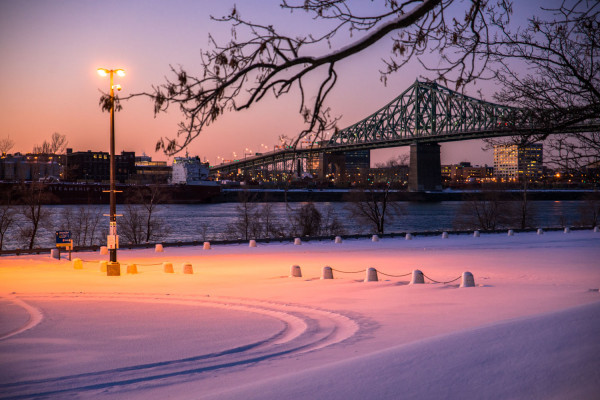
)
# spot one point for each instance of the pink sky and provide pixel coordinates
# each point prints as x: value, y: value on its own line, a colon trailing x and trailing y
x: 51, y: 50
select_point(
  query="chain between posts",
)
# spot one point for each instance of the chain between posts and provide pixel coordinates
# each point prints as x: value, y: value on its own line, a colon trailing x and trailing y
x: 348, y: 272
x: 434, y: 281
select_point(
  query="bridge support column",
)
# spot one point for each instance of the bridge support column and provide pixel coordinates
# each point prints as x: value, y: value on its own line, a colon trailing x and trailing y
x: 425, y: 167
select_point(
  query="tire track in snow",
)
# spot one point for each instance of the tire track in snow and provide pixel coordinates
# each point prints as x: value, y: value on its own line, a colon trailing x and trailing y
x: 35, y: 316
x: 305, y: 329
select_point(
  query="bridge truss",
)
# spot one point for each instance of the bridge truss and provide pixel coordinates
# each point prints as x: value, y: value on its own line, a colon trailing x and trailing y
x: 425, y: 112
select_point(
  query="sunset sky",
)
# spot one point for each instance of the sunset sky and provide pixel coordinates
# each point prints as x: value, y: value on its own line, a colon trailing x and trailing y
x: 51, y: 50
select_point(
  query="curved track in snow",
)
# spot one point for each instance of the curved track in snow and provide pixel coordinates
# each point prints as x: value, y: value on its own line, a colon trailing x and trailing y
x: 305, y: 329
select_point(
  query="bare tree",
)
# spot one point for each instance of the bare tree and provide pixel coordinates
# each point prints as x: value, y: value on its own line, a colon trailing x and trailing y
x: 589, y: 211
x: 83, y: 222
x: 246, y: 226
x: 260, y: 60
x: 57, y: 144
x: 36, y: 216
x: 485, y: 211
x: 6, y: 144
x: 7, y: 219
x: 140, y: 221
x: 561, y: 88
x: 373, y: 207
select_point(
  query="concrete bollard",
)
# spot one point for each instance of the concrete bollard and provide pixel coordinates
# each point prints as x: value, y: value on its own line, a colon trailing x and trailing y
x: 371, y: 275
x: 55, y: 253
x: 132, y: 269
x: 297, y: 241
x: 596, y: 229
x: 206, y: 246
x: 540, y: 231
x: 408, y: 236
x: 467, y: 280
x: 417, y: 277
x: 444, y: 235
x: 375, y: 238
x: 113, y: 269
x: 511, y: 232
x: 252, y: 243
x: 168, y: 268
x: 103, y: 250
x: 103, y: 265
x: 77, y: 263
x: 327, y: 272
x: 295, y: 271
x: 476, y: 234
x: 158, y: 248
x: 187, y: 268
x: 567, y: 230
x: 338, y: 239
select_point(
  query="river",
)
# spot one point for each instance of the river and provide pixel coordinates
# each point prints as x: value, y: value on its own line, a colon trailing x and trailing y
x: 209, y: 221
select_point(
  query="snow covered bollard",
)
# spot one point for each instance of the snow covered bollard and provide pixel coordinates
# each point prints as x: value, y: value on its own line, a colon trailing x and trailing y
x: 338, y: 239
x: 252, y: 243
x: 206, y: 246
x: 77, y: 263
x: 168, y: 268
x: 540, y: 231
x: 158, y: 248
x: 55, y: 253
x: 371, y: 275
x: 417, y: 277
x: 103, y: 266
x: 476, y: 234
x: 511, y: 232
x: 408, y: 236
x: 567, y: 230
x: 103, y: 250
x: 596, y: 229
x: 327, y: 272
x: 132, y: 269
x: 374, y: 238
x: 444, y: 235
x: 295, y: 271
x: 467, y: 280
x: 187, y: 268
x: 297, y: 241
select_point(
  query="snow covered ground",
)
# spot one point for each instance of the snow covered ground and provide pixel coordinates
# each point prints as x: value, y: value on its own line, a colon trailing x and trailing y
x: 241, y: 328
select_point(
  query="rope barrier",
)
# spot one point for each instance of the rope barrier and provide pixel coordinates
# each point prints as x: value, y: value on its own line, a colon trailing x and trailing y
x: 149, y: 265
x: 348, y: 272
x: 393, y: 276
x: 433, y: 280
x: 90, y: 261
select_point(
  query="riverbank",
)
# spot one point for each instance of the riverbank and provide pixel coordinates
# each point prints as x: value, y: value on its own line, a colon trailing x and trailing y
x: 229, y: 195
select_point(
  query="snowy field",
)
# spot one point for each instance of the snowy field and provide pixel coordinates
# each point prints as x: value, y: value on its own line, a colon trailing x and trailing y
x: 240, y: 328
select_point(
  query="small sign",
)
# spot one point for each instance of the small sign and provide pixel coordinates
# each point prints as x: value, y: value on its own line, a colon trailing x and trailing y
x: 112, y: 229
x: 63, y: 238
x: 112, y: 242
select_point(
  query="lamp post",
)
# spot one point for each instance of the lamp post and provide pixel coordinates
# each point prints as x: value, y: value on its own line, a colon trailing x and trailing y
x: 113, y: 268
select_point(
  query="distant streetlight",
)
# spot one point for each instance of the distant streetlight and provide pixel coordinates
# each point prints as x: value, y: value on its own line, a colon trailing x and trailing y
x: 113, y: 268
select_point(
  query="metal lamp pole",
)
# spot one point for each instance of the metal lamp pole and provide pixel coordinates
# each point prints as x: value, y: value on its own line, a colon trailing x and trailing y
x: 113, y: 268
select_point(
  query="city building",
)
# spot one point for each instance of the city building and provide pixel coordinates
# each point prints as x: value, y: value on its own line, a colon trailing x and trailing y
x: 95, y: 166
x: 189, y: 170
x: 148, y: 171
x: 30, y: 167
x: 513, y: 162
x: 464, y: 172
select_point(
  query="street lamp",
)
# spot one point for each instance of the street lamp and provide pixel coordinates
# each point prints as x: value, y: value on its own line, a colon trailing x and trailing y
x: 113, y: 268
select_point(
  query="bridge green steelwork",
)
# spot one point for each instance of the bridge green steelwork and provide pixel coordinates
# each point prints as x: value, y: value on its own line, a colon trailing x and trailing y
x: 424, y: 113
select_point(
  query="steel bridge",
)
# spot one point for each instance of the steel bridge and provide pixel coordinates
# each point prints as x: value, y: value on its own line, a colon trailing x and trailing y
x: 422, y: 116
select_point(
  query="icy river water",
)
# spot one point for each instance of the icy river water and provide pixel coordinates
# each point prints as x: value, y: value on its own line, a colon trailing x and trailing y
x: 209, y: 221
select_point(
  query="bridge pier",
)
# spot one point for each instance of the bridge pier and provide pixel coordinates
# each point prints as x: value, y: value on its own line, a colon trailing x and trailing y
x: 425, y: 167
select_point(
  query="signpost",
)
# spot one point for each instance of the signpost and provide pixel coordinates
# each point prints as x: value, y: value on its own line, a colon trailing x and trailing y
x: 63, y: 239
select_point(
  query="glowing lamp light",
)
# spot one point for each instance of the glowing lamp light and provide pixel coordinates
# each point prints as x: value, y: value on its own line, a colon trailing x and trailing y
x: 120, y: 72
x: 103, y: 72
